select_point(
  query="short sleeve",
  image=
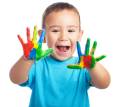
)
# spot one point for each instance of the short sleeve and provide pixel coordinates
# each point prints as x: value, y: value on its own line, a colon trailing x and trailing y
x: 31, y: 77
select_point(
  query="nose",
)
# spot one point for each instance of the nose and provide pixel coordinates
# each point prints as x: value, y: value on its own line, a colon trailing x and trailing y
x: 63, y: 36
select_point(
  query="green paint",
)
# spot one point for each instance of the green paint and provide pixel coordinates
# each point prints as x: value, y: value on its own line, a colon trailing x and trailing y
x: 100, y: 58
x: 87, y: 47
x: 93, y: 48
x: 74, y: 66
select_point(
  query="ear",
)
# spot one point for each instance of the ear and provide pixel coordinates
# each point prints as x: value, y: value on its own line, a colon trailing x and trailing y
x: 80, y: 35
x: 39, y: 33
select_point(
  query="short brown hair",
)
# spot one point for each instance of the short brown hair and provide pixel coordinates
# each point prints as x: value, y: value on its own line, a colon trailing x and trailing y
x: 57, y: 7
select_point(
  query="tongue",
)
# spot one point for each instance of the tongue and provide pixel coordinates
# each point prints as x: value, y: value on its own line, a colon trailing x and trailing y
x: 62, y: 48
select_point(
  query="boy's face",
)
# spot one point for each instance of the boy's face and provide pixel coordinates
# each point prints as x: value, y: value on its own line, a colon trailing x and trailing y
x: 62, y: 32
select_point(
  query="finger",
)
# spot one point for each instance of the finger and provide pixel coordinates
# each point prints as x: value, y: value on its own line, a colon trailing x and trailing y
x: 93, y: 48
x: 48, y: 52
x: 79, y: 49
x: 87, y: 47
x: 28, y: 34
x: 39, y: 33
x: 100, y: 58
x: 74, y: 66
x: 43, y: 54
x: 21, y: 40
x: 34, y: 40
x: 41, y: 37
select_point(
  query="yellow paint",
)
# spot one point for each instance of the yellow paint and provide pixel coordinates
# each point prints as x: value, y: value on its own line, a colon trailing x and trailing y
x: 81, y: 64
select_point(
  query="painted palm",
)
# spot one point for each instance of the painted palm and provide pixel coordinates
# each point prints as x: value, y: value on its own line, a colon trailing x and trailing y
x: 86, y: 60
x: 33, y: 48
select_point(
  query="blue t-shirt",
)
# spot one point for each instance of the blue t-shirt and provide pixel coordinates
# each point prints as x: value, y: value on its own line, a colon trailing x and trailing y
x: 54, y: 85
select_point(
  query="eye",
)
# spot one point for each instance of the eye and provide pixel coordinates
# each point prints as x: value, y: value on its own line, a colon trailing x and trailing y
x: 71, y: 30
x: 55, y: 30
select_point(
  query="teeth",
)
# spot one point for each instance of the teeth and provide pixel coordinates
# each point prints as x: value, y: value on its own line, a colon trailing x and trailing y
x: 63, y: 48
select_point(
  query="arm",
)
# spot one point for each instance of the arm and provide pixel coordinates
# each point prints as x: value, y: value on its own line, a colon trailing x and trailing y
x: 100, y: 77
x: 19, y: 72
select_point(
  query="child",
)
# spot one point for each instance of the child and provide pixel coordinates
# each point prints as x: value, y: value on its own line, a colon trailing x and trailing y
x: 51, y: 82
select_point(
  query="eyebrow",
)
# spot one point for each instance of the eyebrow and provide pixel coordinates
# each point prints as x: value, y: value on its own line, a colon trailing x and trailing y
x: 73, y: 26
x: 69, y: 26
x: 52, y: 26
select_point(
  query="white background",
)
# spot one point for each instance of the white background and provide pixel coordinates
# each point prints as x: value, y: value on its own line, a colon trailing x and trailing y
x: 100, y: 21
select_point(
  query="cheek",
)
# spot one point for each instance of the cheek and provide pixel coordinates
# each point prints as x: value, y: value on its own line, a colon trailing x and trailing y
x: 50, y: 41
x: 73, y: 46
x: 74, y: 37
x: 73, y: 43
x: 74, y: 40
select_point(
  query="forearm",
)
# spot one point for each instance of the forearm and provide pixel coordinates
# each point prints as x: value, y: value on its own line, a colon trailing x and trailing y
x: 19, y: 72
x: 100, y: 76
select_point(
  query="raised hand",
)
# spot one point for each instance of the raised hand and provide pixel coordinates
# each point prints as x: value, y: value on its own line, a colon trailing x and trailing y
x: 86, y: 60
x: 33, y: 48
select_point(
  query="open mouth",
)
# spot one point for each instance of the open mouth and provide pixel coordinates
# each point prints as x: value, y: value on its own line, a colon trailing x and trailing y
x: 63, y: 48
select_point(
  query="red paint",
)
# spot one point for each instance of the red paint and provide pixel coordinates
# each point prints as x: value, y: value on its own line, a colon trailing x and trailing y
x: 27, y: 47
x: 87, y: 61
